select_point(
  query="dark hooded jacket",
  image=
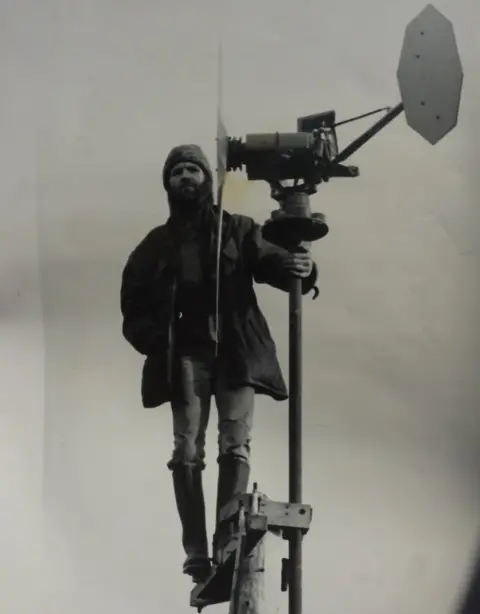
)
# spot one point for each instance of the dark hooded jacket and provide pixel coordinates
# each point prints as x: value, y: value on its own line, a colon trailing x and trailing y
x: 150, y: 284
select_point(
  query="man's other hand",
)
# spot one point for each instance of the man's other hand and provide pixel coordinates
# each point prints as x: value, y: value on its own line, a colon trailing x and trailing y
x: 299, y: 264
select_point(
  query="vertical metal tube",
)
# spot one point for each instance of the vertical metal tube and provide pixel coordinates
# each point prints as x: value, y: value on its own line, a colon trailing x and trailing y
x: 295, y: 441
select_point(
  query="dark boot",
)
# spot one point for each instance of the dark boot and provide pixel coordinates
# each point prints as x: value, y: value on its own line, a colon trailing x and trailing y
x: 187, y: 482
x: 233, y: 476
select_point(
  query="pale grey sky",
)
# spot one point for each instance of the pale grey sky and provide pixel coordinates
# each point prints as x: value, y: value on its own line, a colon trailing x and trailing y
x: 95, y: 94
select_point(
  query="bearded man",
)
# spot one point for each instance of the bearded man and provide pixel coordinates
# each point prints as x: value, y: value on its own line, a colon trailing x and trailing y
x: 205, y: 337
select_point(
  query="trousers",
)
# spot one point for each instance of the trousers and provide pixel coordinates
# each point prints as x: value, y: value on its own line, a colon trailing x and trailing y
x: 197, y: 377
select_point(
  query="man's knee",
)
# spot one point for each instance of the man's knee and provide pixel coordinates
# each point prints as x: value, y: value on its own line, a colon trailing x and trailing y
x: 234, y: 440
x: 187, y: 452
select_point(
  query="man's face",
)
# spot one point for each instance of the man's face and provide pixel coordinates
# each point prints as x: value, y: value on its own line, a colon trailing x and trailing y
x: 185, y: 180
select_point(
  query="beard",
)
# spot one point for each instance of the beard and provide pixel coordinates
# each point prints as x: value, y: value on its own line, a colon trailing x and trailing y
x: 188, y: 192
x: 185, y: 194
x: 188, y: 202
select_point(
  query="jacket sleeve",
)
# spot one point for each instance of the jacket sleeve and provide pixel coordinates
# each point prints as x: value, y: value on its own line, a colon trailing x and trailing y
x: 139, y: 327
x: 267, y: 262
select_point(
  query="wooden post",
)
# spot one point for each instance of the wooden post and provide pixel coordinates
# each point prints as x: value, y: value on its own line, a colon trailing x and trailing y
x: 248, y: 598
x: 246, y: 525
x: 249, y: 580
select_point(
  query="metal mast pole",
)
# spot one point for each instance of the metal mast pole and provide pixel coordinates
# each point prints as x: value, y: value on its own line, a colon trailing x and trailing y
x: 292, y: 227
x: 295, y: 442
